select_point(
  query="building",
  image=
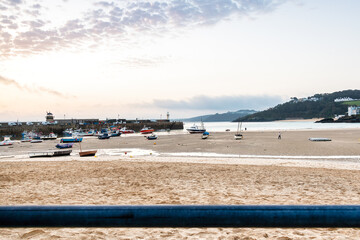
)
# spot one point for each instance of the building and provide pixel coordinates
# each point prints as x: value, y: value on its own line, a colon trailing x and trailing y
x: 353, y: 110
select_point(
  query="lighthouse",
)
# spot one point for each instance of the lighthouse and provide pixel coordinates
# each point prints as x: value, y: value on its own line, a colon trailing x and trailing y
x: 49, y: 117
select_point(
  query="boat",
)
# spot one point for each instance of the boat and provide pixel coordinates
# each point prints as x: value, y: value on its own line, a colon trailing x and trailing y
x: 57, y: 153
x: 36, y: 141
x: 87, y: 153
x: 6, y: 141
x: 146, y: 130
x: 104, y: 136
x: 205, y: 135
x: 65, y: 145
x: 71, y: 139
x: 51, y: 136
x: 116, y: 133
x: 151, y: 137
x: 26, y: 139
x: 124, y: 130
x: 196, y: 129
x: 238, y: 135
x: 320, y: 139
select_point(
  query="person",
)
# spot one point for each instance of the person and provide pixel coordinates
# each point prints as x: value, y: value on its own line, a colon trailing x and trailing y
x: 279, y: 137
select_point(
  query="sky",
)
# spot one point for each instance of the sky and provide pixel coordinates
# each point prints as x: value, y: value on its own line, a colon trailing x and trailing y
x: 142, y: 59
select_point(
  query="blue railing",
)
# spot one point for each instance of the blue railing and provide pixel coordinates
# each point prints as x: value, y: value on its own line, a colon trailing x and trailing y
x: 324, y: 216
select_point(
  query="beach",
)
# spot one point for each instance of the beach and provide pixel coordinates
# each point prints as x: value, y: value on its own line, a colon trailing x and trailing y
x: 184, y: 169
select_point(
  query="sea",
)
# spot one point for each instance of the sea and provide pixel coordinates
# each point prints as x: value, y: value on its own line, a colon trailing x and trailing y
x: 272, y: 126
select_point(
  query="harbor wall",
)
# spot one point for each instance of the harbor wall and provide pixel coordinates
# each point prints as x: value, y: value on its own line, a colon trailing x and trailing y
x: 15, y: 131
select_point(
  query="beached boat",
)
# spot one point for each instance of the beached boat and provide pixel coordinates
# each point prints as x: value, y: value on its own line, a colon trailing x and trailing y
x: 71, y: 139
x: 51, y: 136
x: 87, y: 153
x: 205, y: 135
x: 151, y: 137
x: 26, y: 139
x: 36, y: 141
x: 65, y: 145
x: 320, y: 139
x: 116, y: 133
x: 196, y: 129
x: 6, y: 142
x: 146, y: 130
x: 104, y: 136
x: 57, y: 153
x: 238, y: 135
x: 124, y: 130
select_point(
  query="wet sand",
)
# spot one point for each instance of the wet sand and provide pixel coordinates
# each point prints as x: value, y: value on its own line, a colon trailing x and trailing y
x: 163, y: 179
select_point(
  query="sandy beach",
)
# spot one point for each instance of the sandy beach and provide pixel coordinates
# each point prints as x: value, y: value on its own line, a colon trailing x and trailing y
x: 183, y: 169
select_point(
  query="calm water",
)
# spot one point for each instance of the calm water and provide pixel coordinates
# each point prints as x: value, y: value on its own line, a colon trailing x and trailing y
x: 268, y: 126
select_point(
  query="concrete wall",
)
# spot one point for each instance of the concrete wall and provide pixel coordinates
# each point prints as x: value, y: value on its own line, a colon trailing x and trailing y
x: 16, y: 131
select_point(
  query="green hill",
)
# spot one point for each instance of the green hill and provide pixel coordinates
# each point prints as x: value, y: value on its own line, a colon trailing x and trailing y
x: 220, y: 117
x: 325, y: 105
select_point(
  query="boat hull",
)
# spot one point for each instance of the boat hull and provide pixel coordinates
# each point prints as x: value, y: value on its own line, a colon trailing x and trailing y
x: 87, y: 153
x: 69, y: 140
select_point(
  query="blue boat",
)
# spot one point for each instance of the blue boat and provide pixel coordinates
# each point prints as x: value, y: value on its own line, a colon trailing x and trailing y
x: 104, y: 136
x: 151, y: 137
x: 65, y: 145
x: 69, y: 140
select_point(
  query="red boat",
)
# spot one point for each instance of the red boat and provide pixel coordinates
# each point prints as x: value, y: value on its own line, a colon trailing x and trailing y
x: 146, y: 130
x: 124, y: 130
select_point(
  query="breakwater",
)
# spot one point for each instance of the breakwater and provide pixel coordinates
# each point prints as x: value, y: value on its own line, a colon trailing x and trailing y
x: 15, y: 131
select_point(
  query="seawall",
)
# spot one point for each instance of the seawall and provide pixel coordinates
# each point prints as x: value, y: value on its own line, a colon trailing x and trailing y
x: 15, y: 131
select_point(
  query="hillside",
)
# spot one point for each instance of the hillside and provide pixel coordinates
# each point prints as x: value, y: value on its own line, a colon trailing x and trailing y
x: 317, y: 106
x: 220, y: 117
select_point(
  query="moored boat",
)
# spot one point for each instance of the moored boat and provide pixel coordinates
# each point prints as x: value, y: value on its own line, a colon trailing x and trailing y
x: 196, y: 129
x: 146, y: 130
x: 36, y: 141
x: 51, y: 136
x: 69, y: 140
x: 151, y: 137
x: 65, y: 145
x: 6, y: 142
x: 124, y: 130
x: 238, y: 135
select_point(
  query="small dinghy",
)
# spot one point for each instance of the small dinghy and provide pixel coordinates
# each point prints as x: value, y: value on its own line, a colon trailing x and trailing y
x: 320, y: 139
x: 151, y: 137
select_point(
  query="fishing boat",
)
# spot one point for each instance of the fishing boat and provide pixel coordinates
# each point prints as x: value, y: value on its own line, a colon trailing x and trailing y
x: 65, y: 145
x: 146, y: 130
x: 196, y: 129
x: 71, y: 139
x: 115, y: 133
x: 238, y: 135
x: 6, y: 141
x: 36, y: 141
x: 151, y: 137
x: 104, y: 136
x: 26, y: 139
x: 51, y: 136
x: 124, y: 130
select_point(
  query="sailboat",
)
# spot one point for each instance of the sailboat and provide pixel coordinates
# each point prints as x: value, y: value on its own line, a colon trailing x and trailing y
x: 238, y: 134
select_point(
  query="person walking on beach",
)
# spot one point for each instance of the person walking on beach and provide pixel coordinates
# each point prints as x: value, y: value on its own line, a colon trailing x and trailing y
x: 279, y: 137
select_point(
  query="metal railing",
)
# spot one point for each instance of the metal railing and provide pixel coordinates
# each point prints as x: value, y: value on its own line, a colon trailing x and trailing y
x: 259, y: 216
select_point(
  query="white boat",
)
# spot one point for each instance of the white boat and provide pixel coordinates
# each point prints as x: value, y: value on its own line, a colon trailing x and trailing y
x: 238, y: 135
x: 196, y: 129
x: 51, y: 136
x: 6, y: 142
x: 36, y: 141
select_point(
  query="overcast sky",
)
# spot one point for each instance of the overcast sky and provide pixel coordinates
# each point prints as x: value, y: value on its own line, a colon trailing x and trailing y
x: 141, y: 59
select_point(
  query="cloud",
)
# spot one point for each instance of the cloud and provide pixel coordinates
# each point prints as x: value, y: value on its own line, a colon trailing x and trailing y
x: 220, y: 103
x: 111, y: 19
x: 7, y: 81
